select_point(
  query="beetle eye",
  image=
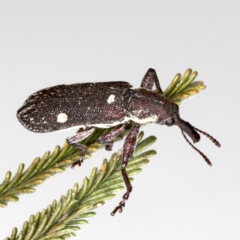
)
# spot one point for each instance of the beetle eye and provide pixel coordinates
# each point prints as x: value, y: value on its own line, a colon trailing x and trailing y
x: 169, y: 122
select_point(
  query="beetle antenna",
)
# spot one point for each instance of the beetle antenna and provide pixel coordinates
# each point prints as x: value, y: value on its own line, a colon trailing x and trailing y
x: 215, y: 141
x: 201, y: 153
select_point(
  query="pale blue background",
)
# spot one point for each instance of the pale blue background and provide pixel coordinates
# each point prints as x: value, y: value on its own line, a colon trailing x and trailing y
x: 45, y: 43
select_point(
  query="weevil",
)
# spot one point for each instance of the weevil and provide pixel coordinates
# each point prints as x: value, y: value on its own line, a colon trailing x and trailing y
x: 104, y: 105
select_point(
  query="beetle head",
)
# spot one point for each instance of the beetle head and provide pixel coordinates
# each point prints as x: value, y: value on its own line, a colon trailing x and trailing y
x: 170, y: 116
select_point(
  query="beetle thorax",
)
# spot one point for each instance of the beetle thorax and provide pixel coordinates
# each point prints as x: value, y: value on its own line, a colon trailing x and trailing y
x: 147, y: 106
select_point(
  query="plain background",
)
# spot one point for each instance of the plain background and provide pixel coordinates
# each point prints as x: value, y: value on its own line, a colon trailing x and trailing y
x: 178, y: 196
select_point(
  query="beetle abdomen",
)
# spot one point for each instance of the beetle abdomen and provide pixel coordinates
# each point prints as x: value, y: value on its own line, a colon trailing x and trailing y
x: 65, y: 106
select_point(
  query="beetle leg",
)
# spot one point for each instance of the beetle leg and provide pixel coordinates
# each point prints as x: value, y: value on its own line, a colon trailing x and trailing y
x: 73, y: 141
x: 149, y: 79
x: 108, y: 138
x: 128, y: 149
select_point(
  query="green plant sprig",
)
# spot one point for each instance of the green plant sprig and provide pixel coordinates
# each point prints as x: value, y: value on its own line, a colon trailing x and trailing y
x: 60, y: 219
x: 47, y: 166
x: 77, y: 204
x: 183, y: 87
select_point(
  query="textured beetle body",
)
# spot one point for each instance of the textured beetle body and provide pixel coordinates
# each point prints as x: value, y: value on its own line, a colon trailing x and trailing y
x: 66, y: 106
x: 105, y: 105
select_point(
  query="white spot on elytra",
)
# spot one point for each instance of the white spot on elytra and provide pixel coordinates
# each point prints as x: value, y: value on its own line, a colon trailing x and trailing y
x: 62, y: 117
x: 111, y: 99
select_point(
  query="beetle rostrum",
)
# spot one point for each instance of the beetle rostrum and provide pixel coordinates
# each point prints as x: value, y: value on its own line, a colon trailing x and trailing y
x: 105, y: 105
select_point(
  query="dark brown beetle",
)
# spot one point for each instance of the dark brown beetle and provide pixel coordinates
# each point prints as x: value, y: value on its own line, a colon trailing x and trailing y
x: 105, y: 105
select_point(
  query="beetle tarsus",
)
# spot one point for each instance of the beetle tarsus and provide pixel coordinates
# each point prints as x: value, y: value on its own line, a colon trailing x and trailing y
x: 109, y: 146
x: 118, y: 208
x: 78, y: 162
